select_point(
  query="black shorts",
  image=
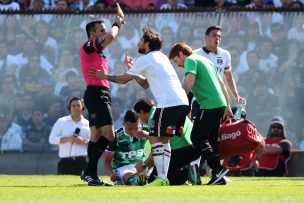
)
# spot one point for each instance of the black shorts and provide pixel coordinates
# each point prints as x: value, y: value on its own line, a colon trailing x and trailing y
x: 97, y: 100
x: 169, y: 122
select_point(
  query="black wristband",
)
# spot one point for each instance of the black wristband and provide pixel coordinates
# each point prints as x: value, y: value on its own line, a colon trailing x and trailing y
x: 116, y: 24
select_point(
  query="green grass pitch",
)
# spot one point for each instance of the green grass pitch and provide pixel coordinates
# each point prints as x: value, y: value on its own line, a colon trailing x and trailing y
x: 53, y: 189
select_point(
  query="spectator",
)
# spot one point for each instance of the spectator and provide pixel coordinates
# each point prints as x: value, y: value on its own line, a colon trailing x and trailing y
x: 33, y: 77
x: 9, y: 5
x: 100, y: 5
x: 8, y: 91
x: 62, y: 5
x: 286, y: 3
x: 73, y: 4
x: 66, y: 64
x: 255, y: 4
x: 252, y: 35
x: 86, y: 4
x: 268, y: 60
x: 279, y: 40
x: 297, y: 31
x: 296, y: 4
x: 185, y: 33
x: 55, y: 110
x: 47, y: 45
x: 71, y: 80
x: 24, y: 104
x: 10, y: 138
x: 272, y: 160
x: 11, y: 30
x: 264, y: 102
x: 37, y: 5
x: 72, y: 134
x: 8, y: 63
x: 129, y: 38
x: 172, y: 4
x: 24, y: 54
x: 168, y: 39
x: 117, y: 112
x: 115, y: 56
x: 37, y: 135
x: 253, y: 73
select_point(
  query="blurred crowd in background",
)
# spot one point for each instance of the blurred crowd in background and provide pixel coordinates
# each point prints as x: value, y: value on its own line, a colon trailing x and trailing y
x: 40, y: 69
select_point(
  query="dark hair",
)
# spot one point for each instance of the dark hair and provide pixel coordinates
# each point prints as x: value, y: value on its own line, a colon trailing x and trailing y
x: 130, y: 116
x: 154, y: 39
x: 39, y: 108
x: 76, y: 99
x: 91, y: 26
x: 214, y: 27
x: 298, y: 3
x: 143, y: 105
x: 181, y: 46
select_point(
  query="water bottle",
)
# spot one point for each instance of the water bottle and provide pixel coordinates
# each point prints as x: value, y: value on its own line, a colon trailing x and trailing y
x: 240, y: 107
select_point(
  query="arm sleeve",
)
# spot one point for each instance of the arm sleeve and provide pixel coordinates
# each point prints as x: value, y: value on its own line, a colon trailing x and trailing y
x: 228, y: 62
x: 55, y: 134
x: 190, y: 66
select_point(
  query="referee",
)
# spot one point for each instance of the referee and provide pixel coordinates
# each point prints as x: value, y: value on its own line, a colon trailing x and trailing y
x: 97, y: 95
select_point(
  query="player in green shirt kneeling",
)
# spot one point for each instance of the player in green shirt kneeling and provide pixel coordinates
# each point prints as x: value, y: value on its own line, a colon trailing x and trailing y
x: 124, y: 152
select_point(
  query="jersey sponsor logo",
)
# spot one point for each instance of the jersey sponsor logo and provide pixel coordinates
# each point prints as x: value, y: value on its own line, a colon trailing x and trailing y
x: 231, y: 136
x: 132, y: 154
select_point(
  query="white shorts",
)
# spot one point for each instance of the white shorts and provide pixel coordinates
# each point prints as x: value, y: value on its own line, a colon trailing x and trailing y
x: 121, y: 171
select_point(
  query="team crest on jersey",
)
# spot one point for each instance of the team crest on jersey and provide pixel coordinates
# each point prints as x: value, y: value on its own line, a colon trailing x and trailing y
x: 219, y: 60
x: 130, y: 146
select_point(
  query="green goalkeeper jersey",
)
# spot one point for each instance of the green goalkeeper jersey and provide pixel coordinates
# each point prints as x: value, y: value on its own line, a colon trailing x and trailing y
x: 127, y: 150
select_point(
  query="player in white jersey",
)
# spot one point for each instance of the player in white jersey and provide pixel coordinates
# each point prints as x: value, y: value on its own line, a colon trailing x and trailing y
x: 219, y: 57
x: 153, y: 69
